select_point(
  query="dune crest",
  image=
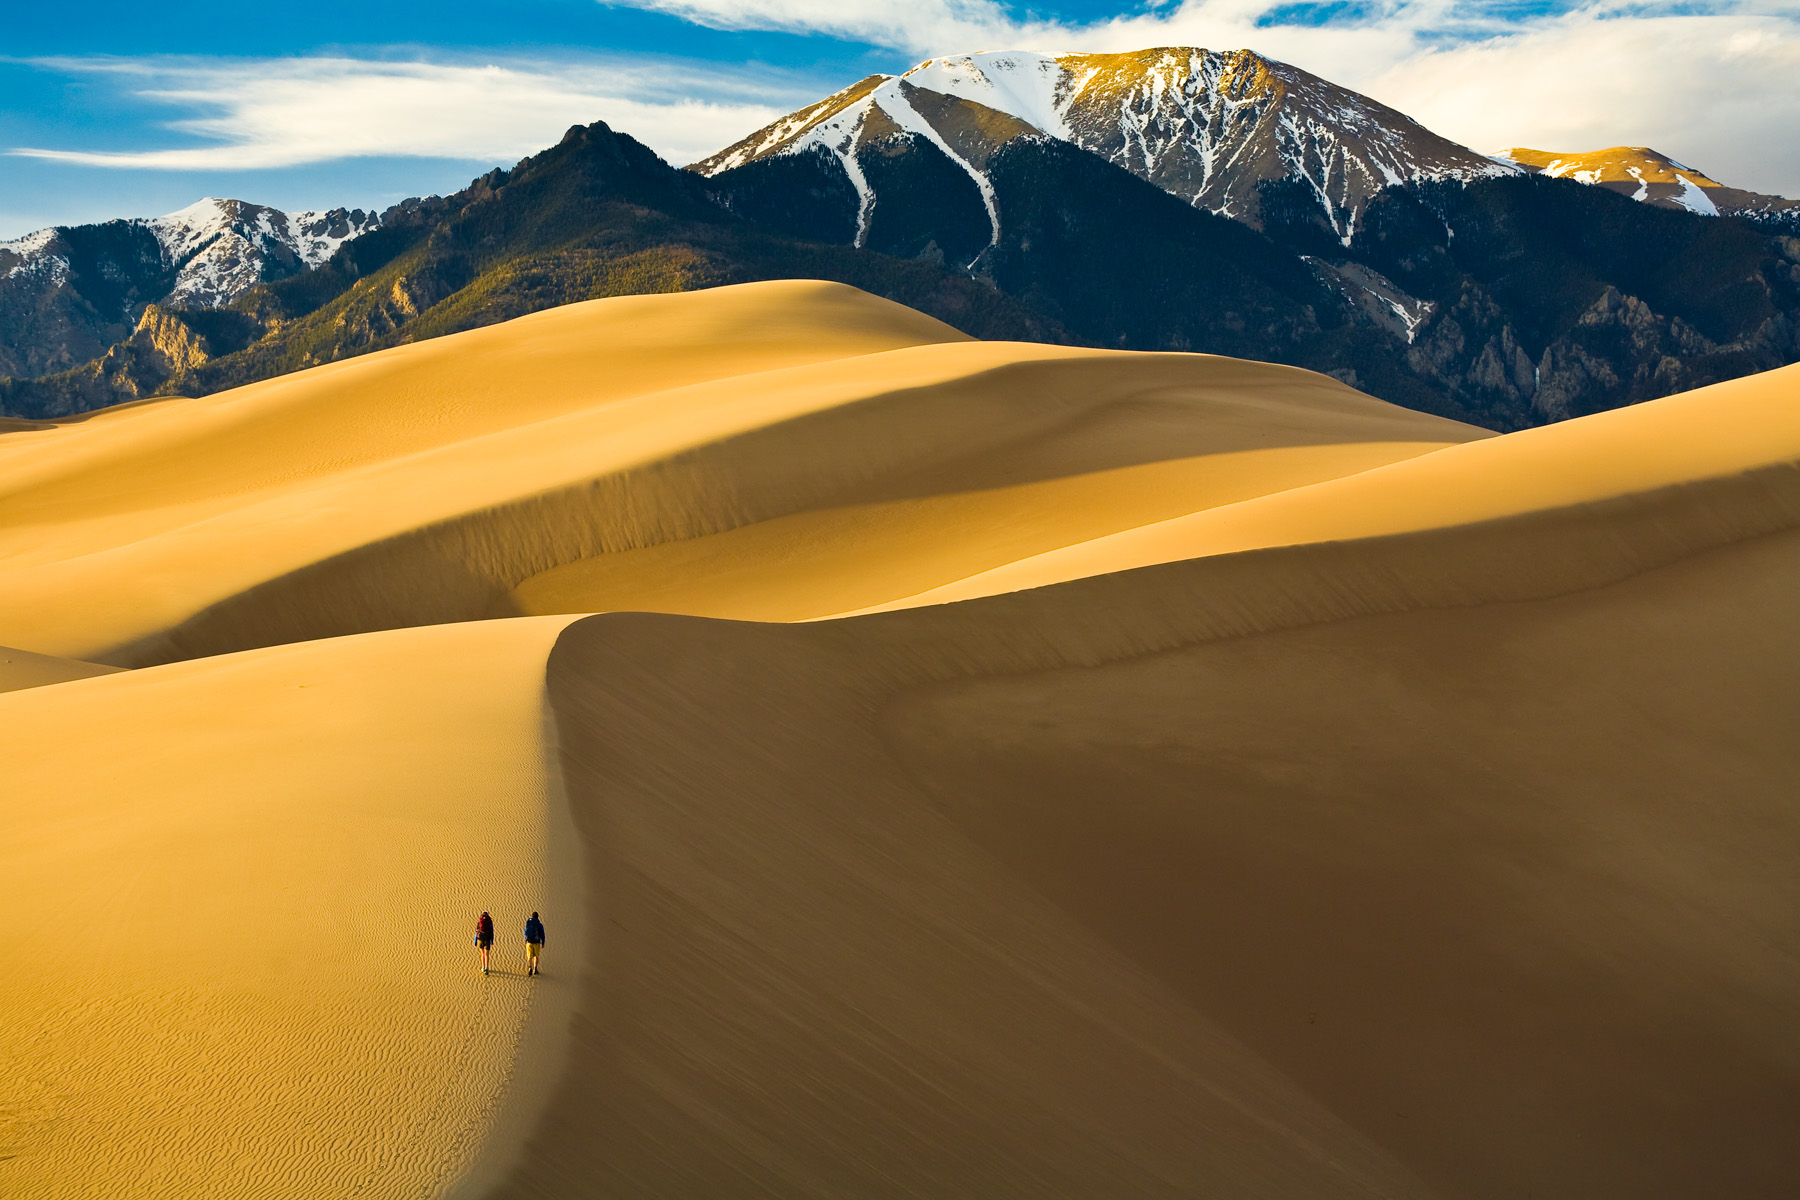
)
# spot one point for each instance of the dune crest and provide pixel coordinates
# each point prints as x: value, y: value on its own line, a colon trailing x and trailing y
x: 1411, y: 892
x: 23, y: 669
x: 424, y: 484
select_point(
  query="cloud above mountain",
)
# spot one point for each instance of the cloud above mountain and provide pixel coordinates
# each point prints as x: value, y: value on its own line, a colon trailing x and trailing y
x: 268, y: 113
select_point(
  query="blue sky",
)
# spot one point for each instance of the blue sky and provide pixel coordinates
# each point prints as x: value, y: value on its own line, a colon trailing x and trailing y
x: 133, y: 109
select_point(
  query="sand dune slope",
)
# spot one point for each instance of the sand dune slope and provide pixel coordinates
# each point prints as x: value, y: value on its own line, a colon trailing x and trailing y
x: 1670, y: 454
x: 1486, y: 900
x: 237, y: 894
x: 425, y: 484
x: 23, y: 669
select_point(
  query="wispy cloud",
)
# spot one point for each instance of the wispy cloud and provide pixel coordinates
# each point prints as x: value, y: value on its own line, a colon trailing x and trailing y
x: 916, y: 26
x: 255, y: 114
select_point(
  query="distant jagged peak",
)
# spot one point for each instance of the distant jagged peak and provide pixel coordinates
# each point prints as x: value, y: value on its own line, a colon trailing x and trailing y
x: 1614, y: 164
x: 214, y: 249
x: 313, y: 236
x: 1209, y: 126
x: 1651, y: 176
x: 30, y: 243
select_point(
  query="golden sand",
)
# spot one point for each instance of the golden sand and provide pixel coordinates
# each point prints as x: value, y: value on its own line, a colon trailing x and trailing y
x: 23, y: 669
x: 257, y: 516
x: 240, y: 893
x: 1304, y: 797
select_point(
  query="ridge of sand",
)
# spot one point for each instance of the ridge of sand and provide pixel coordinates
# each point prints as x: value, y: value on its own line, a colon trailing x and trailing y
x: 239, y: 894
x: 165, y: 453
x: 826, y: 560
x: 1455, y: 902
x: 446, y: 532
x: 1727, y: 429
x: 22, y: 669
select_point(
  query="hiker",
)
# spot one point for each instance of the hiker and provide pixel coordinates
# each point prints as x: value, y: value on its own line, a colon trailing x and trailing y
x: 534, y: 942
x: 484, y: 938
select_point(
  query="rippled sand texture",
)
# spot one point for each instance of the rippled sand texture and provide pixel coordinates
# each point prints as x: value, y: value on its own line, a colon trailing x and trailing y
x: 1229, y: 784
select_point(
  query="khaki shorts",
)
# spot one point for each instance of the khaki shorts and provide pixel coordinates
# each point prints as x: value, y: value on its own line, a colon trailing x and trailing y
x: 531, y: 949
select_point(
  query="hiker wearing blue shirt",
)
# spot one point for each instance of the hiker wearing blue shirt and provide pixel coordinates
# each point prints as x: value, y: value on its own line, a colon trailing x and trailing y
x: 534, y: 942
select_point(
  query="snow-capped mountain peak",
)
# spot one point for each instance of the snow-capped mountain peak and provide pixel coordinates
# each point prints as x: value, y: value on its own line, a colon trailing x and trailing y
x: 227, y: 246
x: 1208, y: 126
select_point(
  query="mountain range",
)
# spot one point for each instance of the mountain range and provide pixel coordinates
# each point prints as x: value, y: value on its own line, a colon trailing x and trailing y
x: 69, y: 292
x: 1177, y: 199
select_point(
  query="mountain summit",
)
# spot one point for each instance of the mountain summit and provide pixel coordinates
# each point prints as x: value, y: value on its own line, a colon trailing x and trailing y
x: 1208, y: 126
x: 1655, y: 178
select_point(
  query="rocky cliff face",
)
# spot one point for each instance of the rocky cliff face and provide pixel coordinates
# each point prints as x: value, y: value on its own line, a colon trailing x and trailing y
x: 1544, y: 299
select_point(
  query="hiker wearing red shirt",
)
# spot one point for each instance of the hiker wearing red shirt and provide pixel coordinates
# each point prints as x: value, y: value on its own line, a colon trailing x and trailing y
x: 484, y: 938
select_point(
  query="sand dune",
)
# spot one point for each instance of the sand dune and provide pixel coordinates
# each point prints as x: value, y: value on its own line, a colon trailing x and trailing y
x: 23, y: 669
x: 1452, y: 901
x: 258, y: 516
x: 1303, y: 797
x: 1704, y: 440
x: 237, y: 894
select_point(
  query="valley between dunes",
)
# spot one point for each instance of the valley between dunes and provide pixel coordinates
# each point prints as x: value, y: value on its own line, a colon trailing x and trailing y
x: 944, y: 768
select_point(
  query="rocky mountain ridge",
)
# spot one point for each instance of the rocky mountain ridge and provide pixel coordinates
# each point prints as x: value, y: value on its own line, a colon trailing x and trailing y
x: 69, y: 292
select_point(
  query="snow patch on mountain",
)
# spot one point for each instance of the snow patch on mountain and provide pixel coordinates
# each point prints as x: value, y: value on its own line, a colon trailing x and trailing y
x: 31, y: 243
x: 226, y: 247
x: 1693, y: 198
x: 903, y: 114
x: 1652, y: 177
x: 318, y: 233
x: 1035, y: 88
x: 29, y: 256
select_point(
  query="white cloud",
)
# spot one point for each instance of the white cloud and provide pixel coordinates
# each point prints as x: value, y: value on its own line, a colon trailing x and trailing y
x: 1717, y: 89
x: 1721, y: 93
x: 285, y: 112
x: 917, y: 26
